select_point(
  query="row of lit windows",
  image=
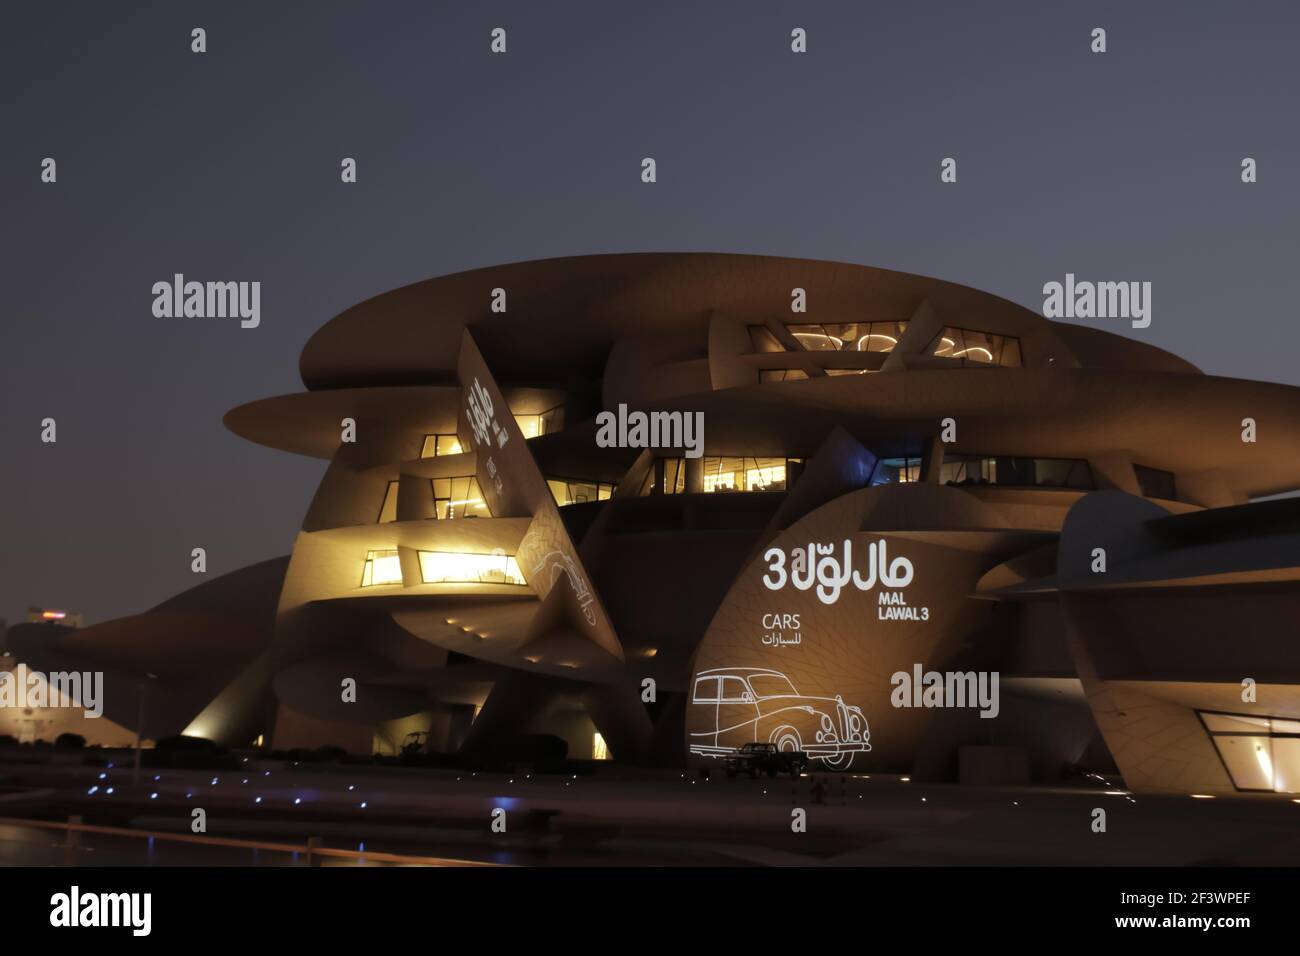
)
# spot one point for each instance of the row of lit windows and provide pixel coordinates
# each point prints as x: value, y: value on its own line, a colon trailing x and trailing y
x: 744, y: 474
x: 725, y: 474
x: 967, y: 345
x: 571, y: 491
x: 462, y: 498
x: 838, y: 337
x: 977, y: 348
x: 850, y: 337
x: 532, y: 426
x: 383, y: 567
x: 1260, y: 753
x: 452, y: 498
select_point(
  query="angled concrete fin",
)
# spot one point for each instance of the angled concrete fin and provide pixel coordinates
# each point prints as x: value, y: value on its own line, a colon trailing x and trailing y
x: 840, y: 465
x: 513, y: 484
x: 922, y: 327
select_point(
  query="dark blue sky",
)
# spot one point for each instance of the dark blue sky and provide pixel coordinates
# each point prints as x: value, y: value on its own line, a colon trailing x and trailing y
x: 226, y: 166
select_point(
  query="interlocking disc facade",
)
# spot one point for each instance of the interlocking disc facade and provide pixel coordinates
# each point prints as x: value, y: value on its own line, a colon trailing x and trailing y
x: 908, y: 477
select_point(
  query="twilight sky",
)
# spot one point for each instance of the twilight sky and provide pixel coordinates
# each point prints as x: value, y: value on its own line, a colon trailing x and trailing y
x: 225, y: 166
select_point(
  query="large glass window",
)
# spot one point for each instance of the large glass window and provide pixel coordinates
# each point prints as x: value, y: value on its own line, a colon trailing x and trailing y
x: 977, y: 348
x: 728, y: 474
x: 1007, y: 470
x: 891, y: 471
x: 850, y: 336
x: 437, y: 567
x: 572, y: 491
x: 1260, y: 753
x: 458, y: 498
x: 745, y: 474
x: 437, y: 445
x: 381, y: 567
x: 551, y: 420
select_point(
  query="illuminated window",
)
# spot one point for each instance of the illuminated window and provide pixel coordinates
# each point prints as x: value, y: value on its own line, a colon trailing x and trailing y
x: 763, y: 340
x: 1260, y: 753
x: 459, y: 498
x: 382, y: 567
x: 744, y: 474
x: 889, y: 471
x: 437, y: 567
x: 436, y: 445
x: 551, y: 420
x: 530, y: 425
x: 977, y: 348
x: 388, y: 512
x: 598, y: 749
x: 567, y: 491
x: 1023, y: 472
x: 847, y: 371
x: 781, y: 374
x: 850, y: 336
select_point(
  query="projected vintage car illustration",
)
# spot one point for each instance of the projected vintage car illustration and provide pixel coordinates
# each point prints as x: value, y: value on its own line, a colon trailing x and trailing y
x: 749, y: 704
